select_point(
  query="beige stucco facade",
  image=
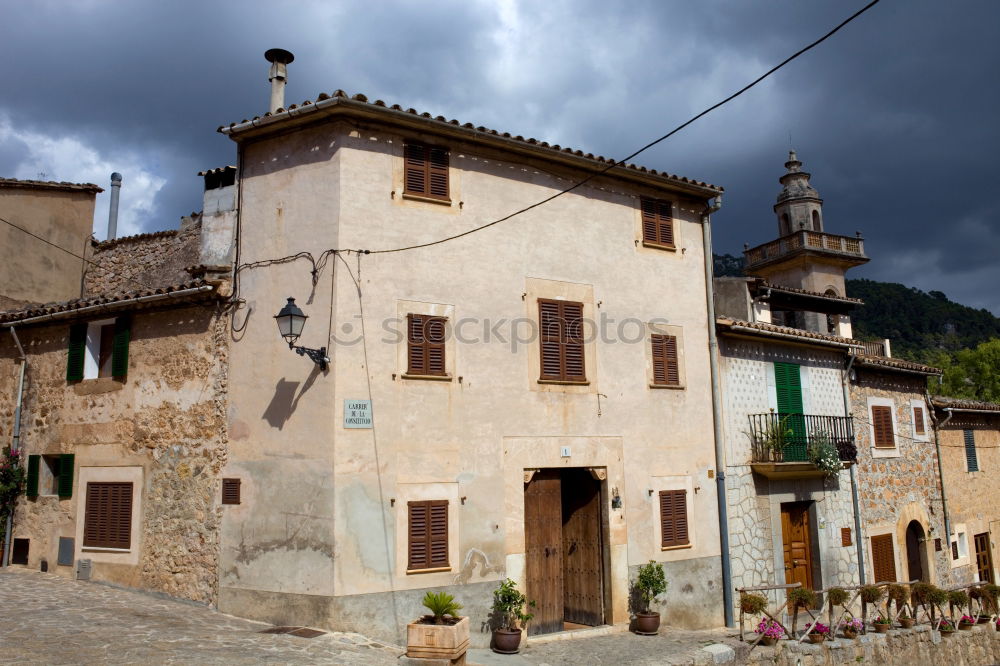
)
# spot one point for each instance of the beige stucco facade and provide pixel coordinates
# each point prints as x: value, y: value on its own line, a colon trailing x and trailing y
x: 319, y: 538
x: 32, y: 271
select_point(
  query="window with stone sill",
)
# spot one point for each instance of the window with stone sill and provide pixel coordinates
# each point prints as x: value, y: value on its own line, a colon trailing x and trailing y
x: 98, y: 349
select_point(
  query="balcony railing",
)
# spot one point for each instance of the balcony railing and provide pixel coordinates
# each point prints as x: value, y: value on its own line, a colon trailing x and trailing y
x: 778, y: 437
x: 876, y: 347
x: 805, y: 240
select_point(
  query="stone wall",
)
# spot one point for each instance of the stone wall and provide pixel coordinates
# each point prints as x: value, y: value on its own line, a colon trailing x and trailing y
x: 164, y: 428
x: 144, y: 261
x: 900, y: 486
x: 900, y: 647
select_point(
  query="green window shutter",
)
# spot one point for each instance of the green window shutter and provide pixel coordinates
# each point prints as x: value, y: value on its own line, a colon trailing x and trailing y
x: 66, y: 475
x: 971, y: 460
x: 119, y: 353
x: 788, y: 385
x: 77, y: 352
x: 33, y: 463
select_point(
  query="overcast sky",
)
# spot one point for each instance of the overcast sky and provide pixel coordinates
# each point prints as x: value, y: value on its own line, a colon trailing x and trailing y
x: 895, y: 117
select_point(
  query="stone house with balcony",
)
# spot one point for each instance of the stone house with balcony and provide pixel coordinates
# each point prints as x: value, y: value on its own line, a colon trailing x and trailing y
x: 784, y: 341
x: 968, y: 434
x: 472, y: 421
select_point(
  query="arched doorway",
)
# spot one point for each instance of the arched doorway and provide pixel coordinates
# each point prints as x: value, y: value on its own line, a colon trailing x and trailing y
x: 916, y: 552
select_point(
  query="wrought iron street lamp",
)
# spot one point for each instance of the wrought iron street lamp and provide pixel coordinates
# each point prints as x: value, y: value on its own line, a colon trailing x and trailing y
x: 291, y: 320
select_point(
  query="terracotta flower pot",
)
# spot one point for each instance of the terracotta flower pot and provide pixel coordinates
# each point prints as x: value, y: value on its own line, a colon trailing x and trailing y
x: 850, y: 633
x: 906, y: 622
x: 882, y: 628
x: 817, y: 638
x: 965, y: 626
x: 768, y: 640
x: 947, y: 632
x: 983, y: 619
x: 506, y: 641
x: 647, y: 624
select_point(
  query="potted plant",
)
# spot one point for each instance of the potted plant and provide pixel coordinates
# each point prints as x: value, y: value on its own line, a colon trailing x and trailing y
x: 649, y: 584
x: 752, y: 604
x: 851, y: 628
x: 897, y: 595
x: 440, y: 635
x: 966, y: 623
x: 991, y: 594
x: 881, y: 623
x: 508, y: 617
x: 800, y: 597
x: 957, y: 598
x: 905, y: 621
x: 769, y: 631
x: 946, y: 628
x: 819, y: 632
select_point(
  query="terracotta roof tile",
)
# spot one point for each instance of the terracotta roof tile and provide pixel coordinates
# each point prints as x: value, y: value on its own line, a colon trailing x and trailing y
x: 897, y: 364
x: 943, y: 402
x: 80, y: 303
x: 339, y: 97
x: 104, y: 245
x: 49, y: 185
x: 764, y: 284
x: 735, y: 324
x: 221, y: 169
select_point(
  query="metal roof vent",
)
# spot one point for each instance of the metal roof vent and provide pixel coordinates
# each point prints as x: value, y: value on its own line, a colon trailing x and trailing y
x: 278, y: 75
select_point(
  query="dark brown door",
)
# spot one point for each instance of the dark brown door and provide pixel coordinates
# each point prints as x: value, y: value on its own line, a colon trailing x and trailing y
x: 797, y: 542
x: 543, y: 543
x: 583, y: 592
x: 984, y: 557
x: 914, y: 552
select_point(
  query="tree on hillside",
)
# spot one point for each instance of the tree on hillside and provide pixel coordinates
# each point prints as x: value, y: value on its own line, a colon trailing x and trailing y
x: 973, y: 374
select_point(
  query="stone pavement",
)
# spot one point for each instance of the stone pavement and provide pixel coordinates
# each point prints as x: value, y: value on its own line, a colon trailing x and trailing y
x: 47, y: 619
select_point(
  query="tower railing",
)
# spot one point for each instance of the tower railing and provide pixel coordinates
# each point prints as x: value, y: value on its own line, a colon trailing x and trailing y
x: 853, y: 246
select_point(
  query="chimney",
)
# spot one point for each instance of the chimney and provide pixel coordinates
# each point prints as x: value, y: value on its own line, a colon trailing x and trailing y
x: 278, y: 76
x: 116, y: 186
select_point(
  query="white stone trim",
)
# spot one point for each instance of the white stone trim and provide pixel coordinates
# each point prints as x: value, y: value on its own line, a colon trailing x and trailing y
x: 878, y: 452
x: 93, y: 347
x: 960, y: 534
x: 404, y: 308
x: 914, y: 405
x: 898, y: 550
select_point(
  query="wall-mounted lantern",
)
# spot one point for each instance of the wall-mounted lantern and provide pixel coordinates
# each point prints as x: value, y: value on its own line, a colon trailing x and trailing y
x: 291, y: 320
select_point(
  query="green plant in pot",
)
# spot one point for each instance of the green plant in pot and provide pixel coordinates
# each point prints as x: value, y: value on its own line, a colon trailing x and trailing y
x: 649, y: 584
x: 800, y: 597
x: 959, y: 598
x: 752, y: 604
x: 508, y: 617
x: 441, y: 634
x: 991, y: 595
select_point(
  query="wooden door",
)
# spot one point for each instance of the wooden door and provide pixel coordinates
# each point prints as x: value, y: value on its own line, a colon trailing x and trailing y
x: 543, y: 544
x: 797, y: 542
x: 984, y: 557
x: 583, y: 595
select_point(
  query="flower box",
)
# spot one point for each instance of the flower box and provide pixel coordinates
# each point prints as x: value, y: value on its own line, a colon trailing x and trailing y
x: 437, y: 641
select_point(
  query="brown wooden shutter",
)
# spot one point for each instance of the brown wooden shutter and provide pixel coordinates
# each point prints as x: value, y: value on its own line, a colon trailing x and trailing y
x: 883, y: 558
x: 673, y: 518
x: 426, y: 171
x: 845, y: 536
x: 665, y: 367
x: 425, y: 345
x: 561, y: 340
x: 918, y: 421
x: 108, y: 518
x: 882, y: 422
x: 428, y: 535
x: 230, y: 491
x: 657, y: 222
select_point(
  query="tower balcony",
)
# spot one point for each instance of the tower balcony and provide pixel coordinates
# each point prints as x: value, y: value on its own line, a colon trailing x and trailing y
x: 847, y: 250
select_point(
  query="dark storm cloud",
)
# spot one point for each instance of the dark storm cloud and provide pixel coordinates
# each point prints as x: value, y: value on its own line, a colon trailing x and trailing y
x: 893, y: 116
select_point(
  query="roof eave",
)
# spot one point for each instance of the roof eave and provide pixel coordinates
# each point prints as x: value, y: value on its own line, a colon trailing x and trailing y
x: 334, y: 106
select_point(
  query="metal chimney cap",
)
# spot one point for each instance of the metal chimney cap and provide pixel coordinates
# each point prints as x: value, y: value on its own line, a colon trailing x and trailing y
x: 279, y: 55
x: 116, y: 177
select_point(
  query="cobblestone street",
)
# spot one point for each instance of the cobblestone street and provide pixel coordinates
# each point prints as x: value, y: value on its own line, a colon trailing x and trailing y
x: 52, y: 620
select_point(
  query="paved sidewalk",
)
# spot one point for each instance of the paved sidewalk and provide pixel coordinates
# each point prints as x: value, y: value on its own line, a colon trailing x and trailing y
x: 47, y: 619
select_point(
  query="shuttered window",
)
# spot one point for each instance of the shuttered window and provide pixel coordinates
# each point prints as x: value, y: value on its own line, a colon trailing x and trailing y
x: 428, y: 535
x: 64, y: 484
x: 108, y: 519
x: 561, y: 340
x: 673, y: 518
x: 34, y: 466
x: 665, y: 369
x: 230, y: 491
x: 77, y: 352
x: 657, y: 222
x: 882, y: 425
x: 918, y: 421
x: 425, y: 339
x: 426, y: 170
x: 883, y: 558
x: 98, y: 350
x: 971, y: 460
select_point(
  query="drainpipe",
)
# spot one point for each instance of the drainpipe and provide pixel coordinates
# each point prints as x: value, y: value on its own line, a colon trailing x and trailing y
x: 720, y: 454
x: 937, y: 447
x: 855, y: 501
x: 15, y: 444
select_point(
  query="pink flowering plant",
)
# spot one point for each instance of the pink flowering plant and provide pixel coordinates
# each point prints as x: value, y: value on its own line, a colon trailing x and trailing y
x: 946, y: 625
x: 11, y: 483
x: 819, y: 628
x: 880, y: 618
x: 770, y: 629
x: 968, y: 619
x: 854, y: 624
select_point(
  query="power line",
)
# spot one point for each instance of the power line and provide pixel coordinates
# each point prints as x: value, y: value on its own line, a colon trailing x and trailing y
x: 644, y: 148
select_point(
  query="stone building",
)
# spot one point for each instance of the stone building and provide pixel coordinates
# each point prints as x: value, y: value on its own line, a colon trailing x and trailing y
x: 785, y: 337
x: 117, y: 401
x: 445, y: 445
x: 899, y: 483
x: 32, y: 270
x: 969, y: 438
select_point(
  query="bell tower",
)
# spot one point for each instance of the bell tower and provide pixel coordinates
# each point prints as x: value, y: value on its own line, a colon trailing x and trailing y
x: 799, y: 205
